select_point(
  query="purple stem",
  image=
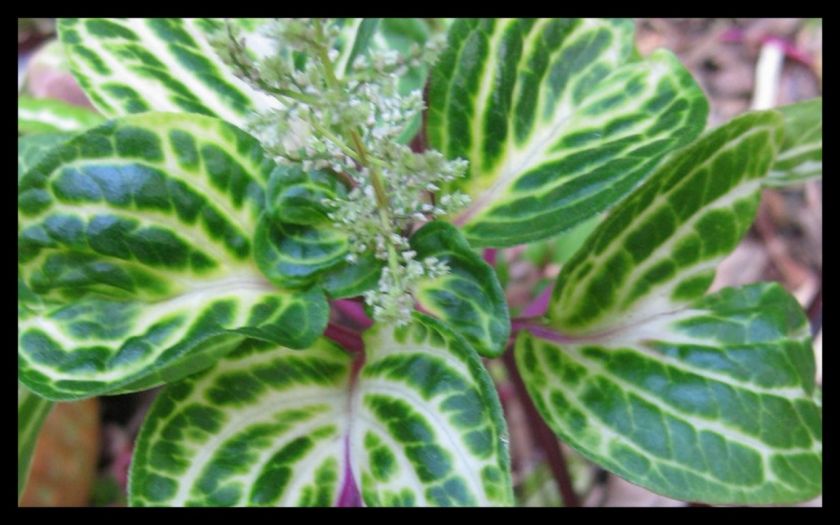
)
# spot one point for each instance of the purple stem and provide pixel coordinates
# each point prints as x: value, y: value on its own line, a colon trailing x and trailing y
x: 543, y: 332
x: 348, y: 339
x: 349, y: 496
x: 540, y: 305
x: 490, y: 256
x: 353, y: 311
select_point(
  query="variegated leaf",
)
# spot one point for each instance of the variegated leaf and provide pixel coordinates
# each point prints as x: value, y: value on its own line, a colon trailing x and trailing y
x: 296, y: 196
x: 33, y: 148
x: 351, y: 279
x: 431, y: 429
x: 295, y: 242
x: 710, y: 403
x: 293, y: 255
x: 141, y: 231
x: 658, y: 250
x: 469, y: 297
x: 558, y: 120
x: 155, y: 64
x: 32, y: 411
x: 43, y: 115
x: 698, y: 398
x: 418, y: 424
x: 800, y: 158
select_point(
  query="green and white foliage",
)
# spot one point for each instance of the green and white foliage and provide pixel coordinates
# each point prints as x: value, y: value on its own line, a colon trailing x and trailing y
x: 700, y: 398
x: 136, y: 65
x: 33, y: 148
x: 32, y: 411
x: 468, y: 297
x: 418, y: 424
x: 39, y: 115
x: 800, y: 158
x: 711, y: 403
x: 296, y: 242
x: 659, y: 248
x: 140, y: 231
x: 255, y: 169
x: 557, y: 118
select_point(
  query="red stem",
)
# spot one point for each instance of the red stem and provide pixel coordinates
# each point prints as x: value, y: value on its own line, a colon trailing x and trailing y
x: 347, y: 338
x: 490, y: 256
x: 354, y: 312
x: 540, y: 305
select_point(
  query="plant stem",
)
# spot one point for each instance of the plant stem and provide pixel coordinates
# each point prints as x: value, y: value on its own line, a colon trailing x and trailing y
x: 365, y: 161
x: 348, y: 339
x: 544, y: 435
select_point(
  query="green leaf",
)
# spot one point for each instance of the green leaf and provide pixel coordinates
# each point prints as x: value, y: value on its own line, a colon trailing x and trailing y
x: 292, y: 255
x: 418, y: 425
x: 425, y: 397
x: 155, y: 64
x: 698, y: 398
x: 138, y: 234
x: 710, y: 403
x: 295, y: 242
x: 296, y: 196
x: 351, y: 279
x: 469, y: 299
x: 800, y: 158
x: 44, y: 115
x: 558, y: 120
x: 295, y: 256
x: 658, y: 250
x: 33, y: 148
x: 363, y: 30
x: 32, y: 411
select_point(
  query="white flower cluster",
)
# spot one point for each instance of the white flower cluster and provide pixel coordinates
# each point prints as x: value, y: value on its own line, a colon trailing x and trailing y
x: 347, y: 119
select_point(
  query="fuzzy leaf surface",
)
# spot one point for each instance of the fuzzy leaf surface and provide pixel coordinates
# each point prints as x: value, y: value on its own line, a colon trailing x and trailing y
x: 133, y: 65
x: 138, y: 235
x: 702, y: 398
x: 419, y: 426
x: 558, y: 120
x: 800, y: 158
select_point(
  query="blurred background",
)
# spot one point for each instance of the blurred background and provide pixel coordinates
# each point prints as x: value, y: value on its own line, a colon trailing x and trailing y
x: 84, y: 450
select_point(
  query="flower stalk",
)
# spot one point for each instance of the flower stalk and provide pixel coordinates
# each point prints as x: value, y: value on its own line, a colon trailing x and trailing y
x: 349, y: 124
